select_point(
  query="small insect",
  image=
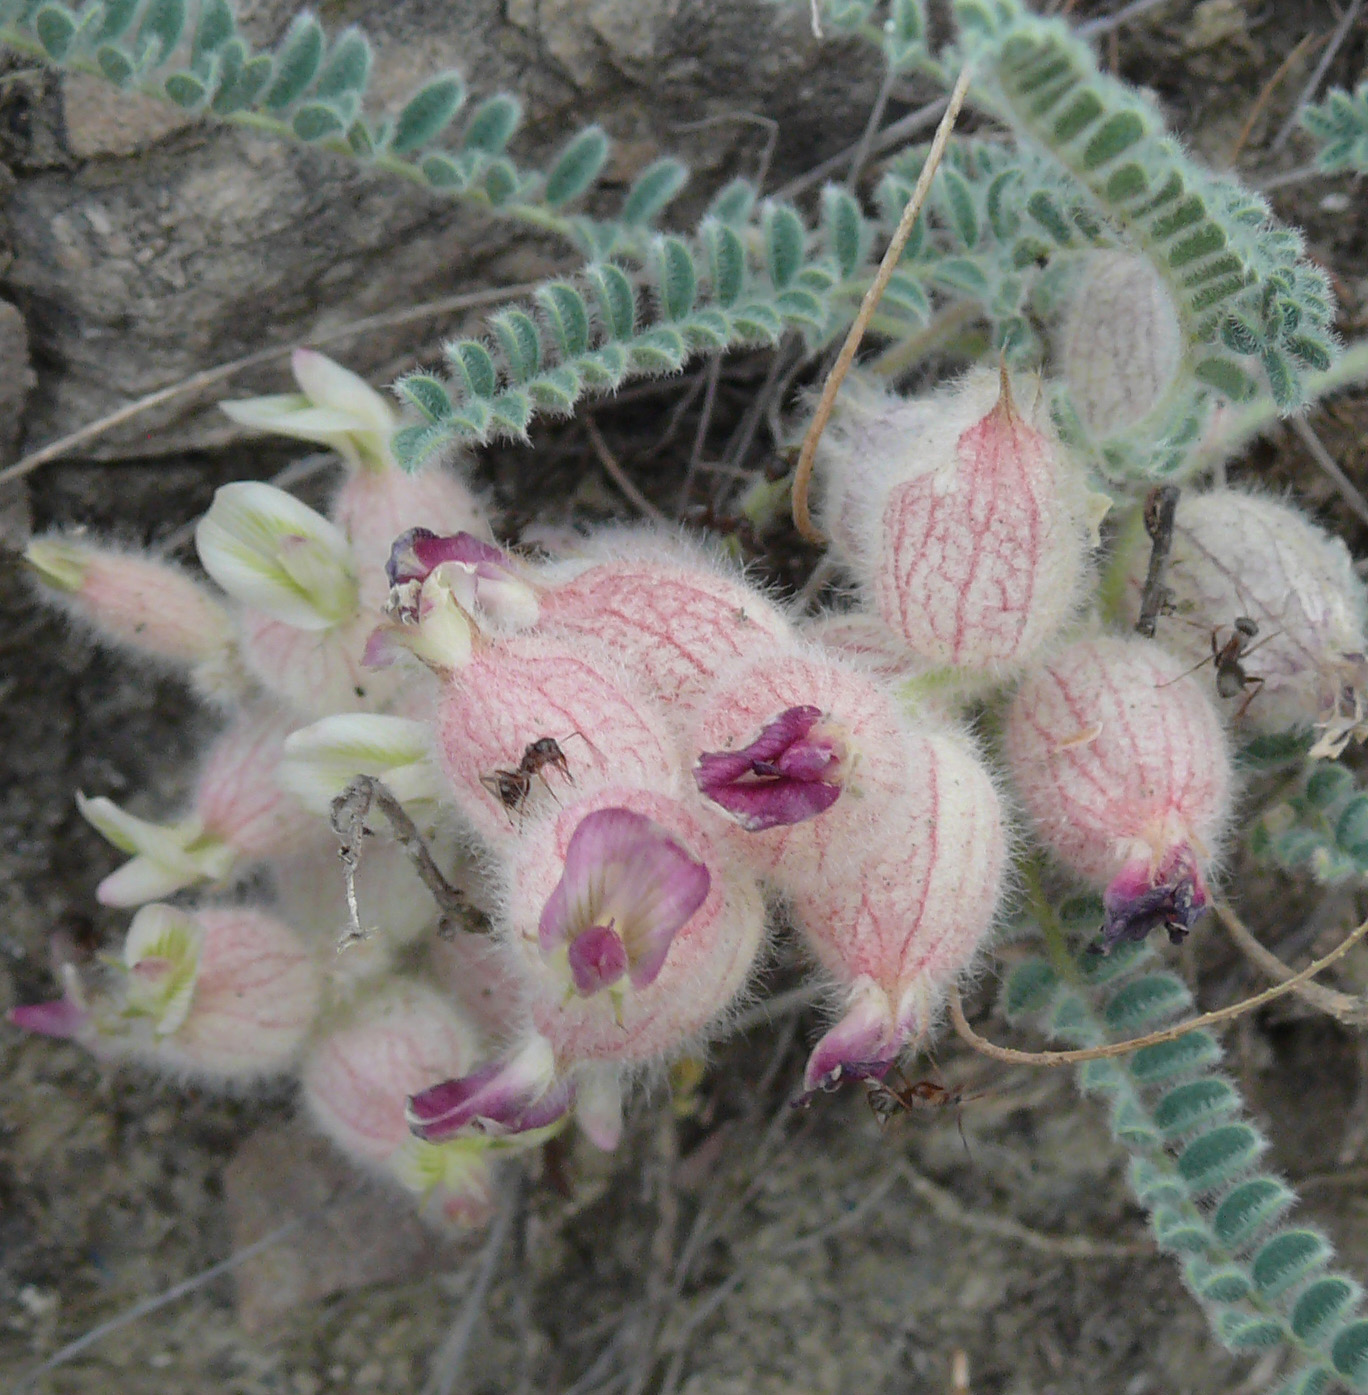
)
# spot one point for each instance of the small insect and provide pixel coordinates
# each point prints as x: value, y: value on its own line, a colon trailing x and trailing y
x: 906, y: 1097
x: 1228, y: 656
x: 513, y: 787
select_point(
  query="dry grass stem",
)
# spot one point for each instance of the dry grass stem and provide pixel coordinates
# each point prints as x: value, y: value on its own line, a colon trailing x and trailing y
x: 1343, y: 1007
x: 197, y: 382
x: 613, y: 469
x: 803, y: 475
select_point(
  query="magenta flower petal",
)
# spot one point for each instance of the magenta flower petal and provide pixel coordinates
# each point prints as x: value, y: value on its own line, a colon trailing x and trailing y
x: 1144, y: 897
x: 625, y: 872
x: 793, y: 771
x: 504, y: 1097
x: 598, y: 959
x: 59, y: 1018
x: 416, y: 552
x: 863, y: 1044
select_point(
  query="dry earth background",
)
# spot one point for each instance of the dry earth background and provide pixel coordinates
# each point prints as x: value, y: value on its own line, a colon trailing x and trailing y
x: 732, y: 1247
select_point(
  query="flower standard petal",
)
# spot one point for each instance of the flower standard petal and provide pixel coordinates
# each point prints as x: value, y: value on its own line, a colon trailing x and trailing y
x: 625, y: 872
x: 327, y: 384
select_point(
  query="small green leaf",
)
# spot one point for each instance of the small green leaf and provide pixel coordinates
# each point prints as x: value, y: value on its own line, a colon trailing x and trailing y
x: 428, y: 394
x: 1148, y: 1001
x: 163, y: 24
x: 186, y: 90
x: 845, y: 230
x: 1249, y: 1209
x: 603, y: 369
x: 55, y: 27
x: 414, y: 446
x: 1328, y: 784
x: 904, y: 293
x: 427, y: 113
x: 1113, y: 138
x: 347, y: 70
x: 1226, y: 1285
x: 1282, y: 381
x: 115, y: 64
x: 676, y: 280
x: 1226, y: 377
x: 1196, y: 1104
x: 1288, y: 1258
x: 215, y: 26
x: 566, y: 316
x: 959, y: 204
x: 297, y: 62
x: 726, y: 262
x: 1043, y: 208
x: 1178, y: 1233
x: 1323, y: 1306
x: 1154, y: 1185
x: 1349, y: 1352
x: 801, y: 307
x: 733, y: 203
x: 442, y: 171
x: 1169, y: 1060
x: 1351, y: 828
x: 1101, y: 1078
x: 658, y: 352
x: 652, y: 190
x: 500, y: 182
x: 1215, y: 1158
x: 519, y: 341
x: 473, y: 365
x: 1310, y: 353
x: 616, y: 299
x: 492, y: 124
x: 1082, y: 112
x: 317, y: 121
x: 555, y: 391
x: 1030, y: 989
x: 510, y: 413
x: 756, y: 323
x: 785, y: 244
x: 1241, y: 1332
x: 118, y: 17
x: 1002, y: 217
x: 577, y: 166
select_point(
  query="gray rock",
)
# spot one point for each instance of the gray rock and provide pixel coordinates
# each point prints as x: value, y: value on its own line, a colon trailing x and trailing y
x: 148, y: 247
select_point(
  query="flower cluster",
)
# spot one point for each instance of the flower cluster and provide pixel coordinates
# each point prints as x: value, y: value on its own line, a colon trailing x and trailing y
x: 628, y: 755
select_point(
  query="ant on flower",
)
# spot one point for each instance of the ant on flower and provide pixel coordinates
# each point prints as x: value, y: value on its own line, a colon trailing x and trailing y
x: 512, y: 787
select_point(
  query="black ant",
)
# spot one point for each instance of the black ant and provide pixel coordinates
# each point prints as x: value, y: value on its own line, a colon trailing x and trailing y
x: 1232, y: 678
x: 513, y: 787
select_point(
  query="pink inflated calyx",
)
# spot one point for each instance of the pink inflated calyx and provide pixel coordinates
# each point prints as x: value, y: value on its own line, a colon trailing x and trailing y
x: 628, y: 888
x: 1167, y: 893
x: 794, y: 770
x: 515, y: 1095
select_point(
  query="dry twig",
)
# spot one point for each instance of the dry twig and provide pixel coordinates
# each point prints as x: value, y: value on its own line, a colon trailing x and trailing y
x: 349, y: 811
x: 1308, y: 93
x: 613, y: 469
x: 803, y: 475
x: 1343, y: 1007
x: 1123, y: 1048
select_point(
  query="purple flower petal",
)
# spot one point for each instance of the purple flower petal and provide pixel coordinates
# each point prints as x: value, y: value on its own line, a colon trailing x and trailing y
x: 59, y: 1018
x: 1143, y: 897
x: 416, y: 552
x: 625, y: 871
x: 863, y: 1044
x: 793, y: 771
x: 498, y: 1098
x: 598, y: 959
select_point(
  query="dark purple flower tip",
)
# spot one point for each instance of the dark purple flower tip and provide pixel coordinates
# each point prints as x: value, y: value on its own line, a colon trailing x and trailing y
x: 629, y: 878
x: 58, y: 1018
x: 861, y: 1046
x: 1170, y: 895
x: 794, y: 770
x: 416, y: 552
x: 504, y: 1097
x: 598, y: 959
